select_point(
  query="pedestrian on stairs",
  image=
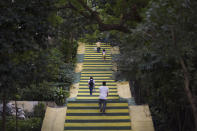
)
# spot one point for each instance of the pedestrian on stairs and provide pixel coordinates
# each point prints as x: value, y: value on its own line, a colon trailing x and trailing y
x: 91, y: 84
x: 104, y: 54
x: 98, y: 45
x: 104, y: 91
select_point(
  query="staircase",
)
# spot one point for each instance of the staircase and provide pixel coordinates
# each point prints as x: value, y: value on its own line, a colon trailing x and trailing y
x: 83, y: 113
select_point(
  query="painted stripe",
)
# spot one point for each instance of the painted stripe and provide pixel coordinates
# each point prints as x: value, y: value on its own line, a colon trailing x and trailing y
x: 96, y: 55
x: 99, y: 80
x: 97, y: 111
x: 95, y: 130
x: 98, y: 128
x: 97, y: 68
x: 94, y: 52
x: 96, y: 77
x: 97, y: 85
x: 96, y: 91
x: 96, y: 72
x: 115, y: 107
x: 95, y: 98
x: 96, y: 94
x: 99, y: 121
x: 114, y: 101
x: 87, y: 90
x: 96, y: 65
x: 98, y: 124
x: 96, y: 117
x: 96, y: 59
x: 109, y: 82
x: 93, y: 63
x: 90, y: 46
x: 96, y: 104
x: 95, y: 49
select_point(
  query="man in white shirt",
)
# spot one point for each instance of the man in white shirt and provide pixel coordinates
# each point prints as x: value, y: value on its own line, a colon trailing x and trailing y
x: 98, y: 45
x: 104, y: 91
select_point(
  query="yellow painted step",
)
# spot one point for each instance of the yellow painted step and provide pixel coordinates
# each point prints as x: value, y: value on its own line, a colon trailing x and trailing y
x: 96, y: 75
x: 113, y: 86
x: 96, y: 93
x: 97, y: 65
x: 96, y: 89
x: 97, y: 111
x: 98, y: 59
x: 97, y: 68
x: 92, y: 98
x: 97, y: 124
x: 98, y: 130
x: 93, y: 52
x: 95, y: 78
x: 102, y: 44
x: 109, y: 82
x: 93, y: 48
x: 96, y: 55
x: 95, y: 104
x: 99, y: 80
x: 96, y: 117
x: 93, y: 72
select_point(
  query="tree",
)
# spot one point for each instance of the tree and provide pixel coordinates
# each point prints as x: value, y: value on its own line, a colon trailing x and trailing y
x: 160, y: 54
x: 24, y: 29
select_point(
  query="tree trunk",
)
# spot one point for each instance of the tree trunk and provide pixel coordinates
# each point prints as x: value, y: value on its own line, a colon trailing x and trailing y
x: 4, y: 113
x: 186, y: 81
x: 188, y: 92
x: 16, y: 108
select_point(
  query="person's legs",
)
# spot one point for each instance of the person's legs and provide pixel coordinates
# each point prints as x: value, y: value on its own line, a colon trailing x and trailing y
x: 90, y: 91
x: 99, y: 48
x: 104, y: 105
x: 100, y: 105
x: 103, y: 57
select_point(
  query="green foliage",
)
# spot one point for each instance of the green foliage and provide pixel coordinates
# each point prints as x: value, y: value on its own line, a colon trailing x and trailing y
x: 34, y: 92
x: 32, y: 124
x: 39, y: 110
x: 54, y: 19
x: 60, y: 96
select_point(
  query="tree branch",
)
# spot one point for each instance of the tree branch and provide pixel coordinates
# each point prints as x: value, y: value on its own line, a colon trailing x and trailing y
x: 95, y: 16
